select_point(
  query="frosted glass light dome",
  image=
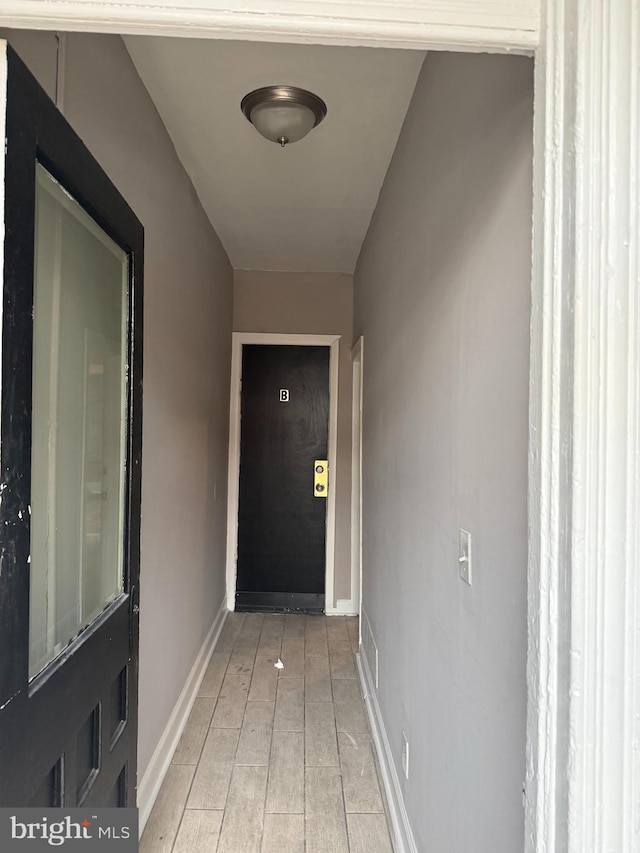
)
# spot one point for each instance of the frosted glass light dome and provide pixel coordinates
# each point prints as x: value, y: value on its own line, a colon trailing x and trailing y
x: 283, y: 114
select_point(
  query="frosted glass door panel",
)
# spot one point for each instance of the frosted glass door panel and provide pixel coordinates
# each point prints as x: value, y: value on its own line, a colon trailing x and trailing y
x: 79, y: 419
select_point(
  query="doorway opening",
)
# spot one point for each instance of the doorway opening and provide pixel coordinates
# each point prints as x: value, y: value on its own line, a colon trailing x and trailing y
x: 249, y: 567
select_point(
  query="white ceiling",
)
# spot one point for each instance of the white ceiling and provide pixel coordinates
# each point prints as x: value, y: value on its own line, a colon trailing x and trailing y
x: 305, y: 207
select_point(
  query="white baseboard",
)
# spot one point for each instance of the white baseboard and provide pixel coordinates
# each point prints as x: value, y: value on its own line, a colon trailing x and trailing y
x: 344, y: 607
x: 400, y: 826
x: 150, y: 783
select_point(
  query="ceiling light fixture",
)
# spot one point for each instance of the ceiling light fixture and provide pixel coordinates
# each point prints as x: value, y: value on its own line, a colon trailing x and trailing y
x: 283, y: 114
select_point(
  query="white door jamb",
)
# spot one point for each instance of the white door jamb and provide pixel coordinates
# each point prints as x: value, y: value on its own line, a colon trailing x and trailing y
x: 356, y: 475
x: 583, y: 727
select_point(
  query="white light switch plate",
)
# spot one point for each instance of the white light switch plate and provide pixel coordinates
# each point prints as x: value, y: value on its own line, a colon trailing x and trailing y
x: 405, y: 755
x: 464, y: 558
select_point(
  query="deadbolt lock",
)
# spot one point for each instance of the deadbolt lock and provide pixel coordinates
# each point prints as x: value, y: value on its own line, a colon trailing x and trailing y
x: 320, y: 478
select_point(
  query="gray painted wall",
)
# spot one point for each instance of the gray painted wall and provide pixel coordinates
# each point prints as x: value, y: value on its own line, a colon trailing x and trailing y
x: 310, y: 304
x: 442, y: 298
x: 187, y: 351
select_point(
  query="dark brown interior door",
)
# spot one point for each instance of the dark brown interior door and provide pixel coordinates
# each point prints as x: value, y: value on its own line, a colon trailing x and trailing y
x: 70, y: 467
x: 281, y: 520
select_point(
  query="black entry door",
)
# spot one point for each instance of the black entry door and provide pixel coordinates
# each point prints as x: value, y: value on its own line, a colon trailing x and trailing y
x: 282, y: 512
x: 70, y: 467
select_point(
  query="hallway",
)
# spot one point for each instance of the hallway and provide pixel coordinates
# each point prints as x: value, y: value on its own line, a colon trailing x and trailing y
x: 428, y: 448
x: 274, y: 761
x: 486, y: 485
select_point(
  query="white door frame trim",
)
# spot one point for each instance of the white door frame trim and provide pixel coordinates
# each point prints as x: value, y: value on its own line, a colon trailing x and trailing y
x: 239, y: 340
x: 497, y: 25
x: 357, y: 358
x: 583, y: 726
x: 583, y: 764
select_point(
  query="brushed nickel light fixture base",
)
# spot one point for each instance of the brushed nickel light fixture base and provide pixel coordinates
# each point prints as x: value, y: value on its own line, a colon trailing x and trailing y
x: 283, y: 114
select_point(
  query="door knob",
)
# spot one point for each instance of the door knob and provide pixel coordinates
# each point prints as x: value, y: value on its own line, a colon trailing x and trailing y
x: 320, y: 478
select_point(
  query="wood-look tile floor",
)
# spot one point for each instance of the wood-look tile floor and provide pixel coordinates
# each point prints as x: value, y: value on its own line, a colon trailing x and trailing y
x: 275, y: 760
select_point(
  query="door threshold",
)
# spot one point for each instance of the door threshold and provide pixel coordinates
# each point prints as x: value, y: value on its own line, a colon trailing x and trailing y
x: 280, y: 602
